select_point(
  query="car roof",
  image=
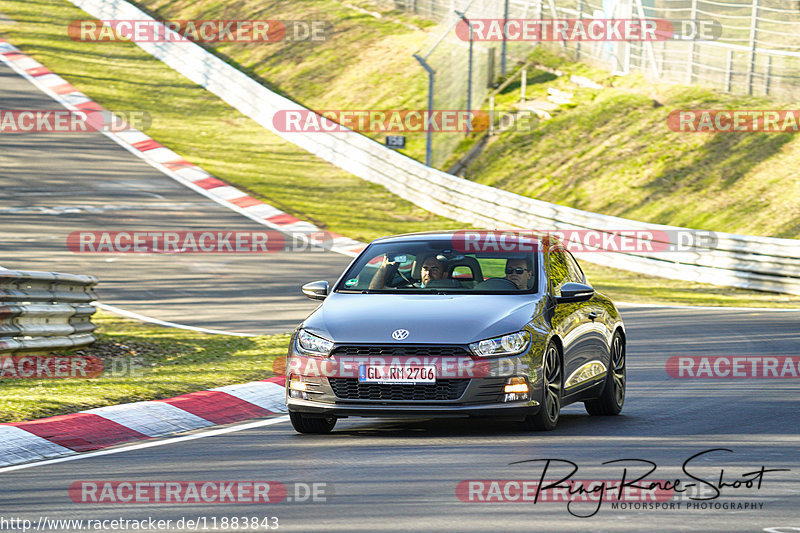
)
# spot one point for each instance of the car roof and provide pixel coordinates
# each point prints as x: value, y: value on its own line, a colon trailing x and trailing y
x: 448, y: 235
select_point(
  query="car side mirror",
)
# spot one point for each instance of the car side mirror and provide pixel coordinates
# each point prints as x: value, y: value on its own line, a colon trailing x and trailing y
x: 575, y: 292
x: 316, y: 290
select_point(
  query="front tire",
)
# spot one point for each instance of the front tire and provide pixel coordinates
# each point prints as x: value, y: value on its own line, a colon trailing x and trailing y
x: 550, y: 410
x: 610, y: 401
x: 312, y: 424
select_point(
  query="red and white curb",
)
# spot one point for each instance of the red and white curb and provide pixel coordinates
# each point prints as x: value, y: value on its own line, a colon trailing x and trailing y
x: 103, y: 427
x: 172, y: 164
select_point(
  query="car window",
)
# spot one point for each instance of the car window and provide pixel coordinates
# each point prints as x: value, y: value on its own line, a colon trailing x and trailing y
x: 420, y: 266
x: 559, y: 270
x: 575, y: 272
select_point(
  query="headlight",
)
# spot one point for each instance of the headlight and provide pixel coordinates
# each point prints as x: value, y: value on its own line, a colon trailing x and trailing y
x: 510, y: 344
x: 308, y: 344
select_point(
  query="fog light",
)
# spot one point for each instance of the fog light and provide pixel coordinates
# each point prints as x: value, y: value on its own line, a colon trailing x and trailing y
x: 516, y: 386
x: 516, y: 390
x: 297, y: 388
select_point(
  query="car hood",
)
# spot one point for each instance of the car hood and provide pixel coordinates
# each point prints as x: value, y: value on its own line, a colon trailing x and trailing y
x: 429, y: 318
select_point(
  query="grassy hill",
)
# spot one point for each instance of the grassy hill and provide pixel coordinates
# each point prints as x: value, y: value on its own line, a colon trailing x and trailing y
x: 611, y: 152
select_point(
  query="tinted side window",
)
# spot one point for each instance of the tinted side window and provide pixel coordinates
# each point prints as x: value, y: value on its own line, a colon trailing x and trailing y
x: 575, y: 272
x: 559, y: 270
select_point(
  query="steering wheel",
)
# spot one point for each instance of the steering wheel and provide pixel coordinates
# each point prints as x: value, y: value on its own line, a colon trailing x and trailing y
x: 503, y: 281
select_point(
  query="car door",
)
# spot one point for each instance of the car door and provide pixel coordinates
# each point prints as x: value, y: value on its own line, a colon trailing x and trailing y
x: 596, y: 335
x: 570, y: 320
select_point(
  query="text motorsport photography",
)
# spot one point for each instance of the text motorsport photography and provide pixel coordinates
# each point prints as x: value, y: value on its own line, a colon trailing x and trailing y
x: 634, y: 488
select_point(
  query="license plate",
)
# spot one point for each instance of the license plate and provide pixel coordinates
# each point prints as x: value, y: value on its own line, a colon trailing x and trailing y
x: 387, y: 374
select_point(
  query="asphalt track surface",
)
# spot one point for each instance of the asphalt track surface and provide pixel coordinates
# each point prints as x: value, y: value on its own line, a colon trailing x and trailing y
x: 384, y: 475
x: 54, y: 184
x: 402, y: 475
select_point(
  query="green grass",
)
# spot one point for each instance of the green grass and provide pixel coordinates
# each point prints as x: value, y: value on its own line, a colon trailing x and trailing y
x: 173, y: 361
x: 612, y: 153
x: 592, y: 156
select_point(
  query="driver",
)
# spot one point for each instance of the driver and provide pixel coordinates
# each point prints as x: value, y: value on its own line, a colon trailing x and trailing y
x: 519, y: 272
x: 432, y: 269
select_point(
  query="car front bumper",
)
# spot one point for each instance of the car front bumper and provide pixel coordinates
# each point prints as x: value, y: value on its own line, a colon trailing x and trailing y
x: 405, y: 410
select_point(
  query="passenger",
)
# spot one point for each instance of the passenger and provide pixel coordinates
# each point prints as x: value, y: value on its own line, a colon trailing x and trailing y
x: 519, y: 272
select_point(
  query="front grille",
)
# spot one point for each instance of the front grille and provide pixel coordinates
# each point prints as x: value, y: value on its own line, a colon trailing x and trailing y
x: 443, y: 389
x: 400, y: 350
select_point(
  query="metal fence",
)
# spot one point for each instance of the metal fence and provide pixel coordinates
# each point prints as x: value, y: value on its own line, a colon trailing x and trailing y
x: 43, y: 311
x: 758, y: 51
x: 459, y: 74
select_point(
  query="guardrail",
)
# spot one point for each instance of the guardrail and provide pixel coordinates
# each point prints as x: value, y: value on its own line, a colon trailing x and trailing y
x: 43, y: 311
x: 751, y: 262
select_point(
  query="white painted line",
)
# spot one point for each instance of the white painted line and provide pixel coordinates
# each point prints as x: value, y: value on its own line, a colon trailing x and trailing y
x: 143, y: 318
x: 51, y: 80
x: 153, y: 419
x: 263, y: 211
x: 24, y: 446
x: 192, y: 173
x: 228, y: 193
x: 162, y: 155
x: 144, y: 445
x: 27, y: 63
x: 708, y: 308
x: 75, y: 98
x: 301, y: 227
x: 267, y: 395
x: 133, y: 136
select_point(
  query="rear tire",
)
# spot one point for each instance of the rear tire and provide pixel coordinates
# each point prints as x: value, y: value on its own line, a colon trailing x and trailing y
x: 610, y: 401
x: 312, y: 424
x: 550, y: 410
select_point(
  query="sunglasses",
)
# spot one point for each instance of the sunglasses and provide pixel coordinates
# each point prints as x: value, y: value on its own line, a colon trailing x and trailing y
x: 518, y: 270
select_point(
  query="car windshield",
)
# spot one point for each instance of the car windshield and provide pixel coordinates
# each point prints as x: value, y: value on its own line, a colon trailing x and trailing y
x: 432, y: 267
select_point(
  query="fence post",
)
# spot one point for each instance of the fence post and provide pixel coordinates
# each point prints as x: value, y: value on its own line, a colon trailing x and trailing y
x: 753, y: 33
x: 769, y: 75
x: 578, y: 44
x: 490, y: 74
x: 504, y: 52
x: 491, y: 115
x: 428, y: 138
x: 524, y: 85
x: 690, y: 62
x: 469, y: 68
x: 728, y: 71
